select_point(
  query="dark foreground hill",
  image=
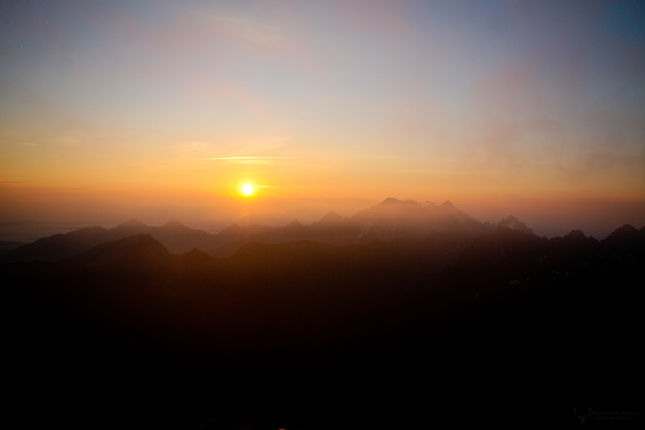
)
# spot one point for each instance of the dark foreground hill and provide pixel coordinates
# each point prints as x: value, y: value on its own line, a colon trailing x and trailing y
x: 506, y: 327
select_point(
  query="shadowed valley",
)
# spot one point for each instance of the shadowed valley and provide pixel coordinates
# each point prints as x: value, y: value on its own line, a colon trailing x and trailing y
x: 403, y: 296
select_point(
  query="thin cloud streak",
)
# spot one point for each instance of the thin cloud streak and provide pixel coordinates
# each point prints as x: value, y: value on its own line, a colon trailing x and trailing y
x: 241, y: 158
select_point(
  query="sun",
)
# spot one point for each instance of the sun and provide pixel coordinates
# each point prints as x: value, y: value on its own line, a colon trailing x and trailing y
x: 247, y: 189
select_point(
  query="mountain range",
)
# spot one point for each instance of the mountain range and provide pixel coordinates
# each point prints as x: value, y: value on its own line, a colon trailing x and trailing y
x: 390, y: 220
x: 176, y: 237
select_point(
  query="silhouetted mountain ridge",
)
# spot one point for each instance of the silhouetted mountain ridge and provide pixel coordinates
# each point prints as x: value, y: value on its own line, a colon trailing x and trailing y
x: 515, y: 224
x: 175, y: 236
x: 136, y: 252
x: 390, y: 220
x: 625, y: 236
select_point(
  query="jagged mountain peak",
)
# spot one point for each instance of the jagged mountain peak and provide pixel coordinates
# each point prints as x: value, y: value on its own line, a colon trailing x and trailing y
x: 137, y: 240
x: 294, y: 223
x: 173, y: 223
x: 626, y: 229
x: 332, y: 217
x: 390, y: 201
x: 575, y: 235
x: 133, y: 222
x: 515, y: 224
x: 196, y: 256
x: 624, y: 235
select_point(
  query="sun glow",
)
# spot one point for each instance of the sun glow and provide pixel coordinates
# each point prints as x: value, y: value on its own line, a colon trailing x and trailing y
x: 247, y: 189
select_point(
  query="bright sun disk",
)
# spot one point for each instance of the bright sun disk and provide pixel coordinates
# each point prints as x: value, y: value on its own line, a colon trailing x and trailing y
x: 247, y: 189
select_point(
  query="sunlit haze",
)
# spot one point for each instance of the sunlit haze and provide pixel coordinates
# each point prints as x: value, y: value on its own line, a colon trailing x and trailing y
x: 247, y: 112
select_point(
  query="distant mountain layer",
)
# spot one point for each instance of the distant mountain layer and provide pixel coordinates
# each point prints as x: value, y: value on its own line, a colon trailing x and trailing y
x: 390, y: 220
x: 137, y: 252
x: 176, y: 237
x: 515, y: 224
x: 504, y: 244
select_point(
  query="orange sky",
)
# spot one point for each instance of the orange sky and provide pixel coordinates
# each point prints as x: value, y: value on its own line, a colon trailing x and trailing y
x: 116, y: 110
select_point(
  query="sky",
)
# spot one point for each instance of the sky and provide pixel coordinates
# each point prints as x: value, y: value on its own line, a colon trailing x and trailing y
x: 111, y: 110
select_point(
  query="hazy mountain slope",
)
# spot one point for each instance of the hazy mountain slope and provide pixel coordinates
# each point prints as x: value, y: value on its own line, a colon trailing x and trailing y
x: 179, y: 239
x: 514, y: 223
x: 390, y: 220
x: 428, y: 215
x: 323, y: 232
x: 60, y: 246
x: 236, y: 232
x: 6, y: 246
x: 330, y: 219
x: 173, y: 235
x: 134, y: 252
